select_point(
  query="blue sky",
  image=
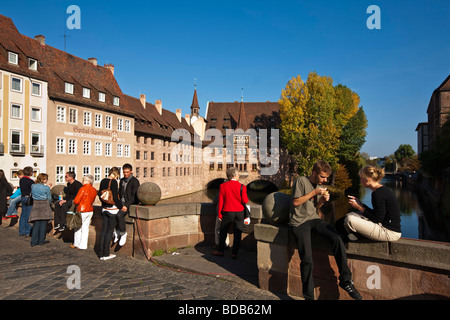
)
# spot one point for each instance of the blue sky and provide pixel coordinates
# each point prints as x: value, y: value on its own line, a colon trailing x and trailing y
x: 160, y: 47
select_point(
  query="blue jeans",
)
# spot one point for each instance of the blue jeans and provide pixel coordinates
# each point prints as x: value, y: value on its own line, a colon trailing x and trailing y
x: 13, y: 206
x: 24, y: 226
x: 38, y: 232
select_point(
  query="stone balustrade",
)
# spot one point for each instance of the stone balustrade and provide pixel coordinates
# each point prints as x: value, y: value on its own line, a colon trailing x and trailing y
x: 405, y: 269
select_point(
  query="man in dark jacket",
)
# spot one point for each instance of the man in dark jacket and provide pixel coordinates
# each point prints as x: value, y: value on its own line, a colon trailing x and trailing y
x: 62, y: 206
x: 128, y: 188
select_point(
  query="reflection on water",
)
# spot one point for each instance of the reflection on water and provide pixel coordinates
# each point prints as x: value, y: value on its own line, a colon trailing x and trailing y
x: 419, y: 218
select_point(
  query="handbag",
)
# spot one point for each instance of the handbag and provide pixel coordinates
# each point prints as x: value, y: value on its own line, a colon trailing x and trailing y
x: 73, y: 220
x: 28, y: 200
x: 246, y: 208
x: 106, y: 195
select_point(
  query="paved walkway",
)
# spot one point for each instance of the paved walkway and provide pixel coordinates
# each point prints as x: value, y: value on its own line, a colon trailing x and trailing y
x: 44, y: 273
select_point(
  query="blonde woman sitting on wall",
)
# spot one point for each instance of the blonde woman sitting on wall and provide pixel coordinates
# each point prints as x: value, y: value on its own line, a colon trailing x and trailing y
x: 382, y: 223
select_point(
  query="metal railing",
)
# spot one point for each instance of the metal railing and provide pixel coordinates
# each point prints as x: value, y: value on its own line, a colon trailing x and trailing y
x: 37, y: 150
x: 17, y: 149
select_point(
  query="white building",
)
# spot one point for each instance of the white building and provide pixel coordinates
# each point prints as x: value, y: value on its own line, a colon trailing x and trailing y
x: 23, y: 105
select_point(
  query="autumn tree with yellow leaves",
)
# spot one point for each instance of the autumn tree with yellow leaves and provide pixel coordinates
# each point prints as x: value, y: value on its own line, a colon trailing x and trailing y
x: 321, y: 121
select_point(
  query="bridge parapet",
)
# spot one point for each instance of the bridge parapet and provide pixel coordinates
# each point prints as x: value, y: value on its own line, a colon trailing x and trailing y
x: 406, y: 269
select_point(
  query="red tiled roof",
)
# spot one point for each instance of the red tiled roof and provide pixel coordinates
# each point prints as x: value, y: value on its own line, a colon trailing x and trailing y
x: 12, y: 40
x: 58, y: 67
x: 149, y: 121
x: 244, y: 115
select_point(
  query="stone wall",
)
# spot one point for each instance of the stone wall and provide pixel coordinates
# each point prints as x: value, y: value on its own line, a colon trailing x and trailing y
x: 168, y: 226
x: 406, y: 269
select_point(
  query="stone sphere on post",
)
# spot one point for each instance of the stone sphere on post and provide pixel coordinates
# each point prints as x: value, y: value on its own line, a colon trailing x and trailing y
x: 149, y: 193
x: 57, y: 189
x: 275, y: 207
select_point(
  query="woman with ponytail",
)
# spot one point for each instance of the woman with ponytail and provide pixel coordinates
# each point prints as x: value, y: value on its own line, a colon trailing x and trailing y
x: 382, y: 223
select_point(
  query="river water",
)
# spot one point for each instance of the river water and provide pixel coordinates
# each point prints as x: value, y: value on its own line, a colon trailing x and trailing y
x: 419, y: 219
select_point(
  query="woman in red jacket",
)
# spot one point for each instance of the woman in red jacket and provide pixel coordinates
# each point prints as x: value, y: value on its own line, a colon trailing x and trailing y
x: 84, y: 200
x: 231, y: 211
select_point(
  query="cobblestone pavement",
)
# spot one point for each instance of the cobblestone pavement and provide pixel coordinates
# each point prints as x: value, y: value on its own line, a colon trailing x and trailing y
x: 43, y: 273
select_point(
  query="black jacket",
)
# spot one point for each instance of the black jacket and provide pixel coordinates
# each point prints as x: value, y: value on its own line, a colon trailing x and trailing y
x: 71, y: 190
x: 5, y: 191
x: 130, y: 193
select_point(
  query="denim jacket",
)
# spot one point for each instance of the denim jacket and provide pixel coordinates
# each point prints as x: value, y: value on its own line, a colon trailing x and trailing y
x: 40, y: 191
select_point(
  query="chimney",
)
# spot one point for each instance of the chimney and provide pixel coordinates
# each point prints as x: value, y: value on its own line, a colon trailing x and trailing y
x: 144, y: 103
x: 93, y: 61
x: 178, y: 113
x: 110, y: 67
x: 158, y: 105
x: 188, y: 119
x: 41, y: 39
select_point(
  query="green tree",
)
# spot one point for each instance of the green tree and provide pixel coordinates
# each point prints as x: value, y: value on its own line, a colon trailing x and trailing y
x: 319, y: 121
x: 404, y: 151
x: 307, y: 120
x: 353, y: 136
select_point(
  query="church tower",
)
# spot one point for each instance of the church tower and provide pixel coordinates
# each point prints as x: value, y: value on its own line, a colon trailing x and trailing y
x: 195, y: 108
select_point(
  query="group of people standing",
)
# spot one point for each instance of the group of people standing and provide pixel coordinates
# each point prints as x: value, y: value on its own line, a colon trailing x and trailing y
x: 36, y: 200
x: 380, y: 223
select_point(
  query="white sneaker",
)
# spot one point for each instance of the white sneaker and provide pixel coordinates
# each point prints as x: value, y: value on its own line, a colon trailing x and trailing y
x: 111, y: 256
x: 123, y: 239
x: 116, y: 235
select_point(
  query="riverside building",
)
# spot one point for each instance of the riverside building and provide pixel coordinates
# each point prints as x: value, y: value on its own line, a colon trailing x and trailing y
x: 60, y: 112
x: 156, y: 159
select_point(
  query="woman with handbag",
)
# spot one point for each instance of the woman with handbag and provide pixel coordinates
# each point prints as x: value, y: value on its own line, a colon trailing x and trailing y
x: 25, y: 184
x: 41, y: 213
x: 231, y: 210
x: 84, y: 200
x: 111, y: 204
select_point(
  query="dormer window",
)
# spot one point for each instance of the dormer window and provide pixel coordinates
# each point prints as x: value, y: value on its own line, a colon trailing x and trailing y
x: 116, y: 101
x: 13, y: 58
x: 86, y: 93
x: 68, y: 88
x: 101, y: 97
x: 32, y: 64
